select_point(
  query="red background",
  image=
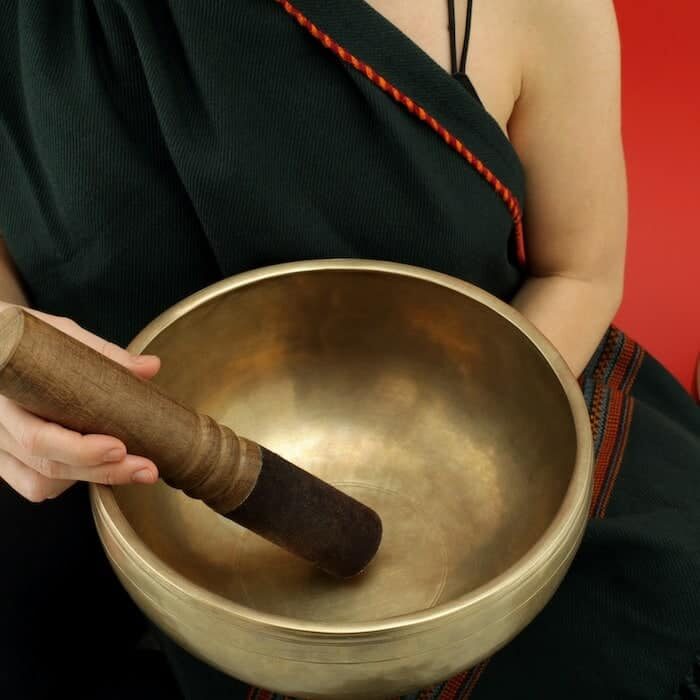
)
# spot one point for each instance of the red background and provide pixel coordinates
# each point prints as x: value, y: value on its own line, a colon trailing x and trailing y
x: 661, y: 114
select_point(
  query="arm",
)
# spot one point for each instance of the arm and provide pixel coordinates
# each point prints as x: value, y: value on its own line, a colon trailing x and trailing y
x: 566, y: 129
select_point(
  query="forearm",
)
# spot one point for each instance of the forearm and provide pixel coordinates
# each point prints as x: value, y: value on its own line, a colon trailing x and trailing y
x: 10, y: 285
x: 572, y: 314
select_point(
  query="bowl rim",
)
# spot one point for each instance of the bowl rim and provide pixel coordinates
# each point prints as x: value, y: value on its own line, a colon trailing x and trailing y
x: 567, y: 518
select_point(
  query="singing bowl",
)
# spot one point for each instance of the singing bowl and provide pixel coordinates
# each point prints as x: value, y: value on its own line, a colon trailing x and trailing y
x: 419, y: 394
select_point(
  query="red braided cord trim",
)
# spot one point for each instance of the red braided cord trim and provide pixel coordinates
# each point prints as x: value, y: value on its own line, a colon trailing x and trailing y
x: 504, y: 193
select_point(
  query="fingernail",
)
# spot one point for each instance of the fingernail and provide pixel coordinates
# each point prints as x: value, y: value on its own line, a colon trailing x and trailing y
x: 142, y: 359
x: 115, y: 454
x: 142, y: 476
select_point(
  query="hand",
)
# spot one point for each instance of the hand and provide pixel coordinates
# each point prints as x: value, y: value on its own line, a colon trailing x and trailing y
x: 40, y: 459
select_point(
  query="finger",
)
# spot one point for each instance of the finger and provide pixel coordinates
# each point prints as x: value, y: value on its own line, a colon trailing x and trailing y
x: 132, y: 469
x: 145, y: 366
x: 28, y: 436
x: 28, y: 483
x: 59, y: 453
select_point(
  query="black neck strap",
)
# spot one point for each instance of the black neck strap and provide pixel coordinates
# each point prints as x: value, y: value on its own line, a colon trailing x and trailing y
x: 459, y: 73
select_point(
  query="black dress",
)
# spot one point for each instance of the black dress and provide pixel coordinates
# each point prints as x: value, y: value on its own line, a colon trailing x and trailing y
x: 150, y: 149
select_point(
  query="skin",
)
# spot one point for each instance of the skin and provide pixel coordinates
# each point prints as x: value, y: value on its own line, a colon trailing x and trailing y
x: 548, y: 73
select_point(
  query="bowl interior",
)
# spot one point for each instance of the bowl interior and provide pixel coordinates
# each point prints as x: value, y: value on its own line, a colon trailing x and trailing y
x: 422, y: 402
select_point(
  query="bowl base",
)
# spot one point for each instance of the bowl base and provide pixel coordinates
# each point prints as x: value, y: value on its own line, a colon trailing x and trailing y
x: 407, y: 574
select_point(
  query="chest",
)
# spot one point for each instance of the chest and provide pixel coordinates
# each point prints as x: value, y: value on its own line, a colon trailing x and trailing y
x: 492, y: 57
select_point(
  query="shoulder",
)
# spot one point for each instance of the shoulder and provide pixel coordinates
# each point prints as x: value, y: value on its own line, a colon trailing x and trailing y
x: 579, y: 34
x: 574, y: 13
x: 544, y: 48
x: 568, y: 53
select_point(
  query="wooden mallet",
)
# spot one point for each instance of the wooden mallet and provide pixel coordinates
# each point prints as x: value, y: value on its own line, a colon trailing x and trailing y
x: 60, y: 379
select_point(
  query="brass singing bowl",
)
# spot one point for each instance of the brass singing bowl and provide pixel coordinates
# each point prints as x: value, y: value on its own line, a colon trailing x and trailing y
x: 419, y: 394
